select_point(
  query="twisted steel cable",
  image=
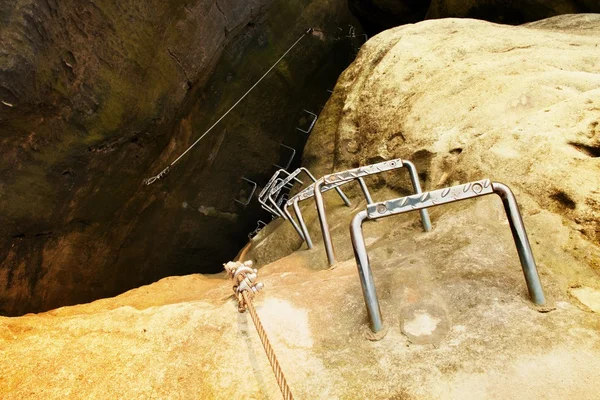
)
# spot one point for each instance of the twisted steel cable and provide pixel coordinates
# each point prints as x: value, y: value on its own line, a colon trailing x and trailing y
x: 281, y: 381
x: 167, y: 169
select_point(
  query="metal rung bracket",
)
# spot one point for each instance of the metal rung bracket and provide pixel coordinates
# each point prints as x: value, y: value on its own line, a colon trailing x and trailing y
x: 312, y: 122
x: 431, y: 199
x: 254, y: 185
x: 263, y: 195
x: 303, y: 195
x: 276, y: 188
x: 259, y: 226
x: 291, y: 158
x: 358, y: 174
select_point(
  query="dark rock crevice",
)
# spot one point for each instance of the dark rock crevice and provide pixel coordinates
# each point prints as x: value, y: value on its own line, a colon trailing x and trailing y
x: 590, y: 151
x: 181, y: 67
x: 89, y: 119
x: 378, y: 15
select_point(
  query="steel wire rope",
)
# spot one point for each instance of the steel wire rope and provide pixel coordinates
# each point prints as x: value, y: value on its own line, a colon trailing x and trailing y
x: 262, y: 334
x: 165, y: 171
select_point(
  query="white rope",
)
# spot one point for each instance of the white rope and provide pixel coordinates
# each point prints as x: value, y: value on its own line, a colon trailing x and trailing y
x: 165, y: 171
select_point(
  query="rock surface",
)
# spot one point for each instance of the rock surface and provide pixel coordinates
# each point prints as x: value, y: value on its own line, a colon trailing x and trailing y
x: 460, y: 326
x: 517, y: 105
x: 455, y: 302
x: 96, y: 96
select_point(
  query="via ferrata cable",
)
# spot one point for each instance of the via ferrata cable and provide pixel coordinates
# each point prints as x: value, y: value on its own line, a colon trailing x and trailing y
x: 165, y: 171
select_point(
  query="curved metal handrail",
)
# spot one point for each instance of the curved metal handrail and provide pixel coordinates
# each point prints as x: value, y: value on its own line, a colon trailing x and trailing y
x: 435, y: 198
x: 358, y: 173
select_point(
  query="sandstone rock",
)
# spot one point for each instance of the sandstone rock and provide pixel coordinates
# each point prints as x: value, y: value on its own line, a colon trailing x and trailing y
x: 184, y: 338
x: 519, y: 105
x: 454, y: 300
x: 98, y: 96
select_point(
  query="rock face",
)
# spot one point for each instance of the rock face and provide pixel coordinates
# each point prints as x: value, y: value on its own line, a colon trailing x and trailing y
x: 463, y: 99
x: 522, y: 109
x: 377, y: 15
x: 97, y: 96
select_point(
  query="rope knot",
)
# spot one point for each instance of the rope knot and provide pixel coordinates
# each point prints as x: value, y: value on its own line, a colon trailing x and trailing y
x: 244, y: 280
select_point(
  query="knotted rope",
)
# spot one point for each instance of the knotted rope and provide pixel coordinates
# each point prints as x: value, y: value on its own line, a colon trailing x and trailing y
x: 245, y: 286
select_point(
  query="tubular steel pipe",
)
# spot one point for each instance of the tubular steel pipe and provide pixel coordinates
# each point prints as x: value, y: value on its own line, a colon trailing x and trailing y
x: 337, y: 188
x: 305, y: 233
x: 294, y: 224
x: 278, y: 184
x: 414, y: 178
x: 268, y: 189
x: 307, y: 193
x: 323, y: 220
x: 436, y: 198
x: 517, y: 228
x: 345, y: 199
x: 364, y: 272
x: 279, y: 212
x: 365, y: 190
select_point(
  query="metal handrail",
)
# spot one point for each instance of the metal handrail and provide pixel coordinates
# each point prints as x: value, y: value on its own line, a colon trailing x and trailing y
x: 358, y: 173
x: 435, y: 198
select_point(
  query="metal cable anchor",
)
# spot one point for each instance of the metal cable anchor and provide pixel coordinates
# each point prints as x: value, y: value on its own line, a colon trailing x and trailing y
x: 160, y: 175
x: 244, y: 280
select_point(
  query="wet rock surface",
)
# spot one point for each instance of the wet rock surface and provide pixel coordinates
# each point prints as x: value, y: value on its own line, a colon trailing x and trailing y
x: 97, y: 96
x: 459, y: 321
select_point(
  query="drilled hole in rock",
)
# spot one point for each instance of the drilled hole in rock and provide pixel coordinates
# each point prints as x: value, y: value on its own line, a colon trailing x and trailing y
x: 375, y: 160
x: 398, y: 135
x: 564, y: 199
x: 590, y: 151
x: 421, y: 156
